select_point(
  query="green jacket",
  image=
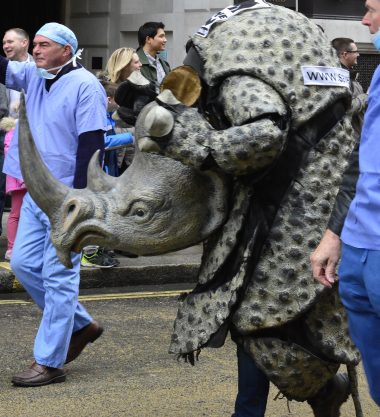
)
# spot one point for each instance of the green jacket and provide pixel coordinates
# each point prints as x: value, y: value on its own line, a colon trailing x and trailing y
x: 148, y: 70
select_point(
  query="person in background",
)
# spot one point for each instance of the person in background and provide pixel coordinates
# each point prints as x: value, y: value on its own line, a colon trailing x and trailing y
x: 355, y: 223
x: 121, y: 64
x: 15, y: 187
x: 3, y: 113
x: 15, y: 46
x: 66, y: 108
x: 348, y: 55
x: 94, y: 256
x: 152, y: 40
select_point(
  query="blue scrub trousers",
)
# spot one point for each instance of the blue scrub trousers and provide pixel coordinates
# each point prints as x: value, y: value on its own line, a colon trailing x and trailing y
x: 53, y: 287
x: 359, y: 288
x: 253, y: 387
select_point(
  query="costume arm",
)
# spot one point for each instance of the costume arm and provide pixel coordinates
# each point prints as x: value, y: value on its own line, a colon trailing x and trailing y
x: 88, y: 143
x: 253, y: 140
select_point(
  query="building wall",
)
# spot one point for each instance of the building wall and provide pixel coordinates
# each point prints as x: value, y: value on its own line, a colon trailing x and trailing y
x: 104, y: 25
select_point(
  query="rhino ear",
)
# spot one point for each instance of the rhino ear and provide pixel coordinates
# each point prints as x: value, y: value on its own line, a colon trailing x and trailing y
x: 158, y: 122
x: 184, y: 83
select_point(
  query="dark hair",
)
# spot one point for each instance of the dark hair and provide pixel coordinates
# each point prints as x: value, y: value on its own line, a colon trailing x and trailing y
x: 341, y: 44
x: 109, y: 87
x: 20, y: 32
x: 148, y: 29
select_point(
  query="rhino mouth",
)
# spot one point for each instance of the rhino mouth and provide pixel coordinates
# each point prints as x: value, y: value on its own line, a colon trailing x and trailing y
x: 87, y: 238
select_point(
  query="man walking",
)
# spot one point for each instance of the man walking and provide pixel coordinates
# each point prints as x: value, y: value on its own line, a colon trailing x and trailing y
x: 66, y: 108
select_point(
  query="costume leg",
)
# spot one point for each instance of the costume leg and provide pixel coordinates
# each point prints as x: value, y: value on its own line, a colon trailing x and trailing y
x: 52, y: 286
x: 253, y: 387
x: 359, y: 288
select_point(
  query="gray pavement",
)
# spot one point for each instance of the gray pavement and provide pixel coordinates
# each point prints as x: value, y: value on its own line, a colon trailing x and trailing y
x: 171, y: 268
x: 128, y: 371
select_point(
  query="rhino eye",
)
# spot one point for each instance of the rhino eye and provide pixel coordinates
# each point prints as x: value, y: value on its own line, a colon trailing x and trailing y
x: 139, y: 213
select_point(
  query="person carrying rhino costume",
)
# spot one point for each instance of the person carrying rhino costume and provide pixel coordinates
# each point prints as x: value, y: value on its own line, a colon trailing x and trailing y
x: 252, y: 172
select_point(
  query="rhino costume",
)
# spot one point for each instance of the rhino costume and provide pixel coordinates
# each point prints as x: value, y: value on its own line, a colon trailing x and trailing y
x: 253, y: 173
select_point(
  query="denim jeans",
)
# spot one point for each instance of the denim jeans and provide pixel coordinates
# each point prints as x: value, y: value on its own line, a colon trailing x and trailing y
x: 359, y: 288
x: 253, y: 387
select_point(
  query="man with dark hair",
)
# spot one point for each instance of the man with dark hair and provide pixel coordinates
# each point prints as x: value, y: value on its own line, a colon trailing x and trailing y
x: 152, y: 40
x: 348, y: 55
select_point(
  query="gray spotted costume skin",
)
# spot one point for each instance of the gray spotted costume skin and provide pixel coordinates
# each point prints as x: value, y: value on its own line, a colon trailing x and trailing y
x: 260, y: 164
x: 294, y: 329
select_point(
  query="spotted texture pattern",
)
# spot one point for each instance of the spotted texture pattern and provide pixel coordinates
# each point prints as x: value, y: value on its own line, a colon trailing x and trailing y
x: 330, y: 334
x: 298, y: 374
x: 245, y: 99
x: 281, y: 286
x: 254, y: 62
x: 238, y: 150
x: 272, y: 44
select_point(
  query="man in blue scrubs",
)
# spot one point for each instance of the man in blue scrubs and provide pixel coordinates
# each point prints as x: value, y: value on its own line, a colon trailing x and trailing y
x: 359, y: 271
x: 66, y: 108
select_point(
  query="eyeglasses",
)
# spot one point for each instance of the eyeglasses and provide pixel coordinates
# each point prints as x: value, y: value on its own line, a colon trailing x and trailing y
x: 352, y: 52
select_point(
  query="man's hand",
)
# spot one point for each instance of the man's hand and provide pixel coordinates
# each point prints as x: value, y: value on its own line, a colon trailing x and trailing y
x: 325, y: 259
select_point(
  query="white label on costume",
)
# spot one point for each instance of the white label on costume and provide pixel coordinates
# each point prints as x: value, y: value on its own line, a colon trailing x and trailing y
x: 228, y: 12
x: 328, y: 76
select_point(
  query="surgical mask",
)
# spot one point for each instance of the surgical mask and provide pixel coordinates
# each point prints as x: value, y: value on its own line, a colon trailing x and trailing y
x: 376, y: 40
x: 45, y: 73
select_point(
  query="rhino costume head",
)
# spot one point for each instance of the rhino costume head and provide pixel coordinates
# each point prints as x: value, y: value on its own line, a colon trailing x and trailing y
x: 253, y: 172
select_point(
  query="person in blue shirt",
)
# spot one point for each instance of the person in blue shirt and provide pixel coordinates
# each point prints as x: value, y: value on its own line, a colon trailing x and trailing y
x: 112, y: 139
x: 66, y: 108
x: 94, y: 256
x: 359, y: 271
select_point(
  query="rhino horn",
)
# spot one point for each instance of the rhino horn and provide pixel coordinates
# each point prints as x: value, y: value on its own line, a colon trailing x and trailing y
x: 45, y: 190
x: 97, y: 179
x: 158, y: 121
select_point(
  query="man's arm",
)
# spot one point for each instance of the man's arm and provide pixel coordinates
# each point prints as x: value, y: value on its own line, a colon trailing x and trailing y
x: 326, y: 256
x: 3, y: 102
x: 3, y: 69
x: 88, y: 144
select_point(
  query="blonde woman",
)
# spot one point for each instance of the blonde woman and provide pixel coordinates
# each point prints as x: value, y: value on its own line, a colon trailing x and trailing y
x: 121, y: 64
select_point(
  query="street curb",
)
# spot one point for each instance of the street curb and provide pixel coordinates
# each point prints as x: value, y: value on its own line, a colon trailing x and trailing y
x: 116, y: 277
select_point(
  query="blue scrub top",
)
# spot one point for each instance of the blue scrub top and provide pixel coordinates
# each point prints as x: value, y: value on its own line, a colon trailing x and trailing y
x: 76, y: 103
x: 362, y: 226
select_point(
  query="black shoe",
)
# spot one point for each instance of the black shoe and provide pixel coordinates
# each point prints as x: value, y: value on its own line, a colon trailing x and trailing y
x: 98, y: 260
x: 127, y: 254
x: 327, y: 402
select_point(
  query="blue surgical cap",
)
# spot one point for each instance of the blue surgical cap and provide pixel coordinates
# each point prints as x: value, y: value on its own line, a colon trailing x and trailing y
x: 60, y: 34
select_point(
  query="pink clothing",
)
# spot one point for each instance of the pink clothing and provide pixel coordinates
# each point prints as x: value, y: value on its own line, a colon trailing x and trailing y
x: 14, y: 216
x: 11, y: 183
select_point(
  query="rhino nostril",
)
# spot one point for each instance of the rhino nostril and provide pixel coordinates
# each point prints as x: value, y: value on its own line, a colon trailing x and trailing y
x: 72, y: 213
x: 71, y: 208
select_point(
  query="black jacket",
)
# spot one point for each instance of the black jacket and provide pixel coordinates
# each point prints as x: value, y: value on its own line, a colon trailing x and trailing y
x: 346, y: 193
